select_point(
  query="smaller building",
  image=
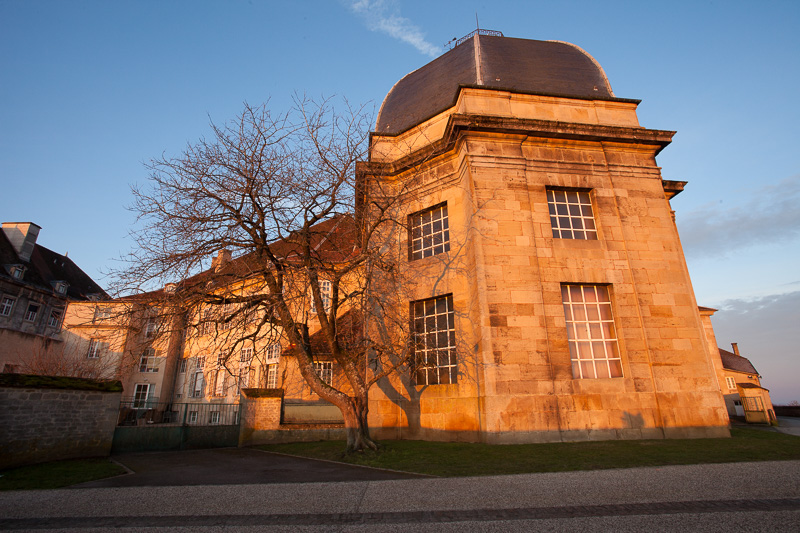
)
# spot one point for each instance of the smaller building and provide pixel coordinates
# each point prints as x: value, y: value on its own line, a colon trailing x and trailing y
x: 741, y: 387
x: 35, y: 285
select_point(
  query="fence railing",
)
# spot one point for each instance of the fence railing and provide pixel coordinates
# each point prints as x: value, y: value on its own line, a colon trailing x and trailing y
x: 151, y: 413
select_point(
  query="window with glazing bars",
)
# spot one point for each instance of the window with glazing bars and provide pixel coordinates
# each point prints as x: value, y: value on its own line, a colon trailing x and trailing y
x: 429, y: 232
x: 325, y: 291
x: 571, y: 215
x: 591, y: 332
x: 324, y: 370
x: 148, y: 363
x: 272, y: 376
x: 433, y: 323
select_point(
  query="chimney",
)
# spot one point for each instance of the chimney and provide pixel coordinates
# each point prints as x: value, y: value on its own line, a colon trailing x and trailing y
x: 735, y: 347
x: 222, y: 259
x: 22, y: 236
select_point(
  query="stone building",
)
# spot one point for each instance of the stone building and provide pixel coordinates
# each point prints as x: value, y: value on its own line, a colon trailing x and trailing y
x: 35, y: 285
x: 542, y: 223
x: 551, y: 299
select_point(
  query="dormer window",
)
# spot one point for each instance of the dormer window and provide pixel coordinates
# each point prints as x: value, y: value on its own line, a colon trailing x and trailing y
x: 60, y: 287
x: 16, y: 271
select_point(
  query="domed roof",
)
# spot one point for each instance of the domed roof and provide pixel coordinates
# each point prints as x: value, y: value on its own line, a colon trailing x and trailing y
x: 518, y: 65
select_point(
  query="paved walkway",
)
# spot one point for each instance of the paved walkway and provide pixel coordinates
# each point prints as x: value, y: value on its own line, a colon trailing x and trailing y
x: 721, y: 497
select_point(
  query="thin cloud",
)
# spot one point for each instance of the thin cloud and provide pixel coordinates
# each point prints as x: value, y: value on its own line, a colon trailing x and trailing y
x: 383, y: 16
x: 769, y: 216
x: 766, y: 330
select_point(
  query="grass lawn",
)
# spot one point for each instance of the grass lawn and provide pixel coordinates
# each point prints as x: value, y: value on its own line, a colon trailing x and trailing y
x: 468, y: 459
x: 57, y: 474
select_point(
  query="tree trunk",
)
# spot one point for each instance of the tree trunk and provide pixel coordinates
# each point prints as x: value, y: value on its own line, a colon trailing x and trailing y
x: 356, y: 426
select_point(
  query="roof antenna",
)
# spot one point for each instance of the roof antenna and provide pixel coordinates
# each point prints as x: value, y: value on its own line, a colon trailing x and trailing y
x: 477, y: 25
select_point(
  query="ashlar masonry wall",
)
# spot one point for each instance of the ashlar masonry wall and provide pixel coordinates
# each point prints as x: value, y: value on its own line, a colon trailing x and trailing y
x: 48, y: 424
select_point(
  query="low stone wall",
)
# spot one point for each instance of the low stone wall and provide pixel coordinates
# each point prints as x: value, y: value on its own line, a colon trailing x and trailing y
x: 49, y: 419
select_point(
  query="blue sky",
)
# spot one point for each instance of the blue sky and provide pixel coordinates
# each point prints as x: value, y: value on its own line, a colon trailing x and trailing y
x: 91, y: 89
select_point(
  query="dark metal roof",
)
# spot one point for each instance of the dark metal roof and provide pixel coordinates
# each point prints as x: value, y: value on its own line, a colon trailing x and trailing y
x: 731, y: 361
x: 517, y: 65
x: 45, y: 267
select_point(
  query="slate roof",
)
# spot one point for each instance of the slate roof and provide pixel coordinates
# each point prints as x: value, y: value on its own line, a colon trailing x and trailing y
x: 737, y: 363
x: 518, y: 65
x: 46, y: 266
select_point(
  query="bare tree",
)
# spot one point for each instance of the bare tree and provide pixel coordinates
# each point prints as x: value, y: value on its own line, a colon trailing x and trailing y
x: 310, y: 250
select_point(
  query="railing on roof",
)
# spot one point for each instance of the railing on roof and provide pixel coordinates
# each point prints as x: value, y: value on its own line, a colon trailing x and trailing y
x: 493, y: 33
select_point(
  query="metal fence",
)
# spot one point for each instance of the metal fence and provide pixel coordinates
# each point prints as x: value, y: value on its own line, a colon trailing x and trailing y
x: 165, y: 414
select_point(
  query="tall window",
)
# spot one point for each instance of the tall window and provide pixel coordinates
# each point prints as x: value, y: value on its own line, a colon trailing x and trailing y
x: 141, y: 394
x: 151, y: 328
x: 591, y: 332
x: 571, y: 215
x: 273, y: 353
x: 429, y: 232
x: 94, y: 349
x: 148, y: 363
x: 55, y: 318
x: 198, y: 384
x: 325, y: 293
x: 272, y: 377
x: 324, y: 370
x: 30, y: 314
x: 246, y: 356
x: 731, y: 383
x: 434, y: 340
x: 6, y: 305
x: 219, y: 382
x: 226, y: 320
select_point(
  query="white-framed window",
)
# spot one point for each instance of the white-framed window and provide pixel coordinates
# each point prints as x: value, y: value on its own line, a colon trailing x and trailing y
x: 30, y: 314
x: 246, y: 355
x: 246, y: 375
x: 142, y: 393
x: 192, y: 417
x: 200, y: 362
x: 571, y: 215
x: 325, y: 293
x: 17, y: 271
x: 591, y: 332
x: 272, y: 377
x: 273, y: 354
x: 7, y: 305
x: 324, y: 370
x: 731, y: 383
x: 182, y: 366
x: 148, y: 362
x: 206, y: 325
x: 219, y: 382
x: 433, y: 321
x: 94, y: 349
x: 429, y: 232
x: 60, y: 287
x: 214, y: 418
x: 226, y: 322
x: 151, y: 328
x: 55, y: 318
x: 221, y: 359
x: 197, y: 386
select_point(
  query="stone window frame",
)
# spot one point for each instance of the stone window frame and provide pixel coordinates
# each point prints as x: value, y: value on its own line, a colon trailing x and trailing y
x: 590, y: 325
x: 7, y: 305
x: 140, y: 402
x: 214, y: 418
x: 325, y: 292
x: 272, y: 353
x: 56, y: 315
x: 324, y: 369
x: 148, y: 363
x: 197, y: 386
x: 183, y: 365
x: 572, y: 207
x: 192, y: 419
x: 30, y: 315
x: 437, y: 239
x: 271, y: 376
x: 93, y: 351
x: 731, y: 383
x: 434, y: 341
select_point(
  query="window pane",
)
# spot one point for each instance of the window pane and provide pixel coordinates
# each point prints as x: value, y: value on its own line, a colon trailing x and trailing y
x: 590, y: 331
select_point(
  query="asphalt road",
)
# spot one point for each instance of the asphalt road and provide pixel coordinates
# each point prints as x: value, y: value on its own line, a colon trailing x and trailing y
x: 719, y: 497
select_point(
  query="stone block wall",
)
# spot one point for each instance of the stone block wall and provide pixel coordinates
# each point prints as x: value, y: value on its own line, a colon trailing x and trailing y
x: 46, y: 424
x: 260, y: 417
